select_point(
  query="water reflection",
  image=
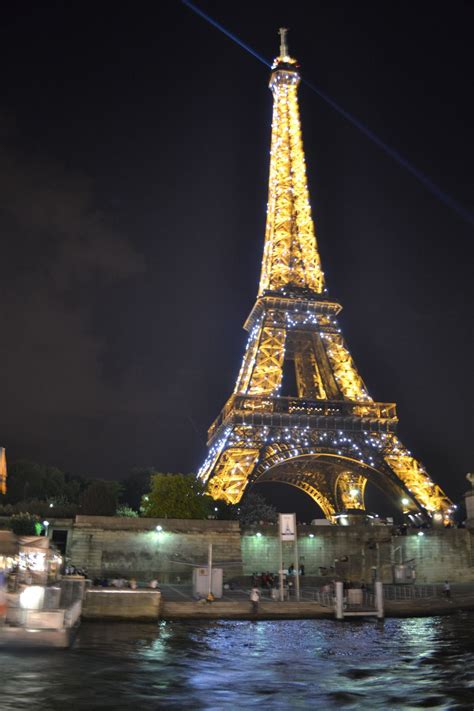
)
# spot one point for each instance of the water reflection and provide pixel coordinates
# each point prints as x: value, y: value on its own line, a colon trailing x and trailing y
x: 400, y: 664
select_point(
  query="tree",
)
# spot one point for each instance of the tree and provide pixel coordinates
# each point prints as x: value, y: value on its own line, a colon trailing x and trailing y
x: 25, y: 481
x: 136, y: 485
x: 176, y: 496
x: 24, y: 524
x: 45, y: 509
x: 100, y: 498
x: 29, y: 480
x: 73, y: 488
x: 254, y: 509
x: 223, y: 511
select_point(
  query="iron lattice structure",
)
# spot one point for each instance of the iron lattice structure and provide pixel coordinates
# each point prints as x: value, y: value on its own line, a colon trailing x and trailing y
x: 331, y: 438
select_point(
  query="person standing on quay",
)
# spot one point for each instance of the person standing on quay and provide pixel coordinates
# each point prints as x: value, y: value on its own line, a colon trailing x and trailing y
x: 255, y: 599
x: 447, y: 589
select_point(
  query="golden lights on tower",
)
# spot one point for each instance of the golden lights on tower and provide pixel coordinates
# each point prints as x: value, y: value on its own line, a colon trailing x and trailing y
x: 330, y: 438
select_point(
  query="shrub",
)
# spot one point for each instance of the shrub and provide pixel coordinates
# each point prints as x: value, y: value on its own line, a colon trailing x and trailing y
x: 24, y: 524
x: 126, y: 511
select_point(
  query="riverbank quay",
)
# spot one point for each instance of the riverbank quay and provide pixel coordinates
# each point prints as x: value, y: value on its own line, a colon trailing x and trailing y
x: 427, y: 607
x: 113, y: 605
x: 240, y: 610
x: 177, y: 603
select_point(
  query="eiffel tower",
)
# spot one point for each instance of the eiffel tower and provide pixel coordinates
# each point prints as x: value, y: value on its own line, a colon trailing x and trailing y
x: 331, y: 437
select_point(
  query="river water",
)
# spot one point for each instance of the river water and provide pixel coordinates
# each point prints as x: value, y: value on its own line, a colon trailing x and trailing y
x: 302, y: 664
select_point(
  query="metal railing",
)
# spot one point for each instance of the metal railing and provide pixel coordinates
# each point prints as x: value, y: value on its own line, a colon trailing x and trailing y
x: 411, y: 592
x: 328, y: 599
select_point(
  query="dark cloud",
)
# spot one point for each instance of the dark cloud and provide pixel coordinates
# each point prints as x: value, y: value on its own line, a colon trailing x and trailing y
x: 60, y: 256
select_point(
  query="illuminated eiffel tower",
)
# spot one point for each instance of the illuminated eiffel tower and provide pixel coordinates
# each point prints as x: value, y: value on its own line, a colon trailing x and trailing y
x: 331, y: 438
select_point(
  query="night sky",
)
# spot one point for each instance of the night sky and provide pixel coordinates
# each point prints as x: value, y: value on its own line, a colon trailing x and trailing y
x: 135, y: 151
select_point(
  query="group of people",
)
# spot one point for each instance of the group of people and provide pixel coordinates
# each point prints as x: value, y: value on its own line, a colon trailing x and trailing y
x: 271, y: 583
x: 70, y: 569
x: 123, y: 583
x: 267, y: 581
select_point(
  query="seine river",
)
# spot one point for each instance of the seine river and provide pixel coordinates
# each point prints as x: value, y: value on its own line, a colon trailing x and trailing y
x: 308, y: 664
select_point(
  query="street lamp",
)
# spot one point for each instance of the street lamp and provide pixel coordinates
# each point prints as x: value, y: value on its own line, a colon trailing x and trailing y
x: 46, y: 527
x: 158, y: 528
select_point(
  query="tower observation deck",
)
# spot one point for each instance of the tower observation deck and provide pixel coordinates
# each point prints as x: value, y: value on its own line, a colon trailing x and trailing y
x: 330, y: 437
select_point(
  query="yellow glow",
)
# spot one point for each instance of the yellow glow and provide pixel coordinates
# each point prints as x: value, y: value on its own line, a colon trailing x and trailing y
x: 290, y: 254
x: 415, y: 477
x: 332, y: 419
x: 3, y: 471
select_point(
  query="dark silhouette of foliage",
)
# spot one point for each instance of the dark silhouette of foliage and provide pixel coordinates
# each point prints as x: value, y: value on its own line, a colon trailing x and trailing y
x: 176, y: 496
x: 29, y: 481
x: 100, y: 498
x: 253, y: 510
x: 24, y: 524
x: 136, y: 485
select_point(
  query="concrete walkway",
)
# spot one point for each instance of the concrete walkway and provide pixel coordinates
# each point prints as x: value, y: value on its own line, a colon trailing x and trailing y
x: 242, y: 610
x: 178, y: 603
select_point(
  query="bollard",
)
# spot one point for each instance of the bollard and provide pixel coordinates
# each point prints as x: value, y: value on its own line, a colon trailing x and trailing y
x: 339, y: 601
x: 379, y: 599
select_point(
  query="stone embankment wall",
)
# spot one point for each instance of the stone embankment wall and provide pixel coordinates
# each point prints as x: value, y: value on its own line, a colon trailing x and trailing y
x: 114, y: 546
x: 108, y: 604
x: 354, y: 552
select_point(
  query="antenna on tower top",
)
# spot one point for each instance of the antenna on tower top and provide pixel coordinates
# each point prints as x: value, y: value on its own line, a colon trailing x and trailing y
x: 283, y: 45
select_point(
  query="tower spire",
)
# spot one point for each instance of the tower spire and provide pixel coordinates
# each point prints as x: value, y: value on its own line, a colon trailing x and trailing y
x: 290, y: 257
x: 283, y: 44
